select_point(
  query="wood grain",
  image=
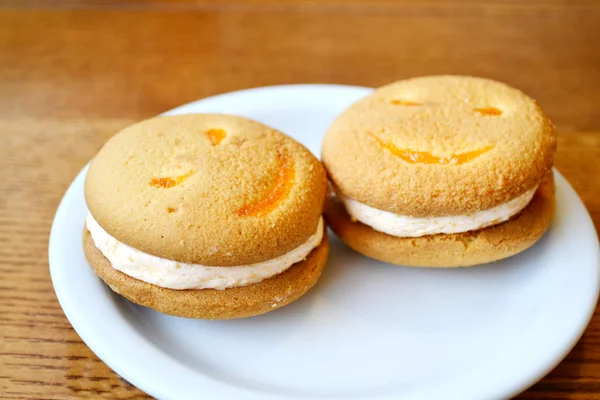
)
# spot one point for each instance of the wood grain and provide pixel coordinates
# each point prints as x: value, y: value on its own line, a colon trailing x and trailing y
x: 74, y: 72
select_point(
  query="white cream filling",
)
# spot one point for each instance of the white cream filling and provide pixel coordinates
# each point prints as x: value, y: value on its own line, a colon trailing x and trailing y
x: 407, y: 226
x: 176, y: 275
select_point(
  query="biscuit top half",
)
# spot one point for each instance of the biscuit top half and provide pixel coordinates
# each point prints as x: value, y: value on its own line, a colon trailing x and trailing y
x: 209, y: 189
x: 441, y: 145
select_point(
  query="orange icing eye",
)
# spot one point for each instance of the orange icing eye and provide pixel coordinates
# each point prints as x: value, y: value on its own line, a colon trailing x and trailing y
x: 215, y: 135
x: 278, y: 190
x: 397, y: 102
x: 489, y: 111
x: 168, y: 182
x: 424, y: 157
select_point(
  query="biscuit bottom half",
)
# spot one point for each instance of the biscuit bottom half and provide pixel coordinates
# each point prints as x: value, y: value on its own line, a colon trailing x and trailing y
x: 450, y: 250
x: 237, y: 302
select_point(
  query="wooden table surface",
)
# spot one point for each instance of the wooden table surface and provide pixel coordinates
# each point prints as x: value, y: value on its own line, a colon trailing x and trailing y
x: 74, y: 72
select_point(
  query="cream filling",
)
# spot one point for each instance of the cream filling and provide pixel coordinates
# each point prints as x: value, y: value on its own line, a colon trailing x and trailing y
x: 407, y: 226
x: 176, y: 275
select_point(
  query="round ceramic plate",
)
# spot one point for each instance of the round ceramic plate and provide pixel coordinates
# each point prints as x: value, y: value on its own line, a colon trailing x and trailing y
x: 368, y: 329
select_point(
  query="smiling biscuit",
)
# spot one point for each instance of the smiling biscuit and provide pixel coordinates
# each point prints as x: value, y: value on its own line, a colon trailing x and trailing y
x: 206, y: 216
x: 441, y: 171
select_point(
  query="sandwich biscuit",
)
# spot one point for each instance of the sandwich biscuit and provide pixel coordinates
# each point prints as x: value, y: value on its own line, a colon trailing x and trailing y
x: 434, y: 160
x: 206, y: 216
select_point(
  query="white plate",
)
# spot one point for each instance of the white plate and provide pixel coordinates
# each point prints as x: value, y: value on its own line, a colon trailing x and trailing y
x: 367, y: 330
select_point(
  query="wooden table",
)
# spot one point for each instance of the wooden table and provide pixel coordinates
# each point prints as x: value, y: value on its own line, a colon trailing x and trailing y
x: 72, y: 73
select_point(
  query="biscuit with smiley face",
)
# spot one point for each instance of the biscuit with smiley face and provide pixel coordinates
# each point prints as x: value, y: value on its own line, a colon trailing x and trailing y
x: 441, y: 171
x: 206, y: 216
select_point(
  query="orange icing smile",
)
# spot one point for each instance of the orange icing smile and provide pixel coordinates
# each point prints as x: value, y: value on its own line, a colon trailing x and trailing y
x: 280, y: 188
x: 425, y: 157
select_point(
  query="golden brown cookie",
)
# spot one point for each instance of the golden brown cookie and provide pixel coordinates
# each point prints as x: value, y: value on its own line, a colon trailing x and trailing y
x: 237, y: 302
x: 207, y: 189
x: 206, y: 216
x: 449, y: 250
x: 441, y: 171
x: 439, y: 146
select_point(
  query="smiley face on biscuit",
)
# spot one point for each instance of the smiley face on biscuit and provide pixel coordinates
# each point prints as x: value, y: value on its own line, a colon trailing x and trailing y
x: 206, y: 216
x: 277, y: 191
x: 439, y: 145
x: 431, y: 160
x: 229, y: 178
